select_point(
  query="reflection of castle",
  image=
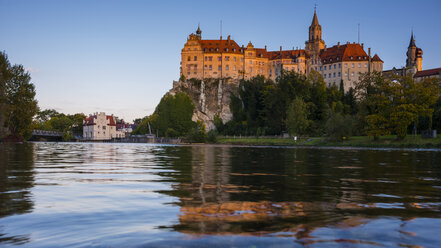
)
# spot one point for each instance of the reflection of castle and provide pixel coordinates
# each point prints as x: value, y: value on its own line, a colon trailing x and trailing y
x: 226, y: 59
x: 414, y: 64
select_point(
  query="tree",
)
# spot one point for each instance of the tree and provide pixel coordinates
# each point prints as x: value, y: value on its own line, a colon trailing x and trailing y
x: 172, y: 116
x: 297, y: 117
x: 339, y: 127
x: 19, y: 99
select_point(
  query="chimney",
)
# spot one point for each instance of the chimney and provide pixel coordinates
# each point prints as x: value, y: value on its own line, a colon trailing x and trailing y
x: 228, y: 38
x: 347, y: 42
x: 369, y: 60
x: 265, y: 47
x: 362, y: 45
x: 338, y: 44
x: 280, y: 48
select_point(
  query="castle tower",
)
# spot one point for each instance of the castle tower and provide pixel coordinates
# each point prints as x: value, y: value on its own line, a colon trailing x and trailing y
x: 199, y: 32
x: 315, y: 42
x: 414, y: 55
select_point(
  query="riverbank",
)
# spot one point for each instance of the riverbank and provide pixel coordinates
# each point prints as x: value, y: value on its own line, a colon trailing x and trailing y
x: 357, y: 141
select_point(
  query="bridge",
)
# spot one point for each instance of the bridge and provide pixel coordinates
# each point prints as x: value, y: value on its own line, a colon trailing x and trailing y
x: 46, y: 135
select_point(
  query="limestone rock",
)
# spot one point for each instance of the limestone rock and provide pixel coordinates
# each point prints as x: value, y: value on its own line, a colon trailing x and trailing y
x: 211, y: 97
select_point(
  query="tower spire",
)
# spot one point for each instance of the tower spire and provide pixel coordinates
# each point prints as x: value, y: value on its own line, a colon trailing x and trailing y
x: 315, y: 19
x: 412, y: 40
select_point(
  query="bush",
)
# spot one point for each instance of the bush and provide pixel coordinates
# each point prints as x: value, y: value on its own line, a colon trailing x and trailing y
x: 212, y: 137
x: 197, y: 134
x: 338, y: 127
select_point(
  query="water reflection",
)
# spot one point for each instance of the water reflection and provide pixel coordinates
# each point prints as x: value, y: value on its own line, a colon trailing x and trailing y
x: 119, y: 194
x: 16, y: 181
x: 284, y: 192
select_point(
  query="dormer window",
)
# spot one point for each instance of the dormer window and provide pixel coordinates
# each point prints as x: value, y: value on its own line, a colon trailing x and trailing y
x: 217, y: 49
x: 351, y: 57
x: 330, y: 60
x: 234, y: 49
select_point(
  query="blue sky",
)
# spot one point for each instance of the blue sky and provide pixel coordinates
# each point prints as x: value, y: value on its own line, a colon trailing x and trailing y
x: 121, y: 57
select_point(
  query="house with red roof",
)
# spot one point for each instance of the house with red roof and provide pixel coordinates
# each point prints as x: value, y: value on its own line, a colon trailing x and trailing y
x: 100, y: 126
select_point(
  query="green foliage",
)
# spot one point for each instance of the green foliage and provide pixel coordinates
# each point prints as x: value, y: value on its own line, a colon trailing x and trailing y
x: 17, y: 98
x: 172, y: 117
x: 339, y: 127
x: 297, y: 117
x: 197, y: 134
x: 51, y: 120
x: 390, y: 105
x: 212, y: 136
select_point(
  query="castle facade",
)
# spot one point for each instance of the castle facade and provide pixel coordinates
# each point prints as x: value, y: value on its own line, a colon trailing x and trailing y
x: 224, y: 58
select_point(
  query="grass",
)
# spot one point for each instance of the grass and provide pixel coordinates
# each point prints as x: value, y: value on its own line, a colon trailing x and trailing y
x: 357, y: 141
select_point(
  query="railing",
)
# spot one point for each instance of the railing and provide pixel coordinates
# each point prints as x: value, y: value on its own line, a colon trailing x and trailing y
x: 46, y: 133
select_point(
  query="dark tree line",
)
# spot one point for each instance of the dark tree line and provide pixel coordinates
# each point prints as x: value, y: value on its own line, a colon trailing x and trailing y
x: 303, y: 105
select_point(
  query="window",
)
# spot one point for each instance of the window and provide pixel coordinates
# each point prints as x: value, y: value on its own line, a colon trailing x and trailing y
x: 365, y: 65
x: 339, y: 74
x: 104, y: 127
x: 261, y: 71
x: 210, y: 67
x: 359, y: 65
x: 250, y: 69
x: 352, y: 74
x: 329, y: 67
x: 234, y: 68
x: 206, y: 58
x: 329, y: 75
x: 219, y: 58
x: 227, y: 67
x: 321, y: 68
x: 210, y: 58
x: 325, y: 67
x: 334, y: 74
x: 227, y: 58
x: 346, y: 65
x: 339, y: 65
x: 206, y: 67
x: 219, y: 68
x: 324, y: 75
x: 251, y: 62
x: 189, y: 58
x: 241, y: 59
x: 353, y: 65
x: 234, y: 59
x: 346, y: 74
x: 335, y: 66
x: 195, y: 58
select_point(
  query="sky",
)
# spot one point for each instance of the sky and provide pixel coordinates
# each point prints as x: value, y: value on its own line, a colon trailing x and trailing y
x: 121, y: 57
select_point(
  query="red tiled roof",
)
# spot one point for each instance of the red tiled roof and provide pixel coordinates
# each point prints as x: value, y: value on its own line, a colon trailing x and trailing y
x: 261, y: 53
x: 88, y: 121
x: 112, y: 120
x: 376, y: 58
x: 287, y: 54
x: 229, y: 46
x: 346, y: 52
x: 430, y: 72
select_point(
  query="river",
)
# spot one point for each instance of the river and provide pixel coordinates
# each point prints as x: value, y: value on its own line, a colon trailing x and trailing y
x: 148, y: 195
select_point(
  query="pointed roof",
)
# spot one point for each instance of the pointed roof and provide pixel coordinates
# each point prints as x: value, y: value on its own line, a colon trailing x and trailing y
x: 412, y: 41
x: 315, y: 21
x: 376, y: 58
x: 198, y: 31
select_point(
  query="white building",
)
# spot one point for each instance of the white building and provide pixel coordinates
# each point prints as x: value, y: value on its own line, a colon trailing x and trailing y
x: 100, y: 127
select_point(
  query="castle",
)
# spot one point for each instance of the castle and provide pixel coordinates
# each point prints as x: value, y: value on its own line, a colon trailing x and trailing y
x: 414, y: 64
x: 224, y: 58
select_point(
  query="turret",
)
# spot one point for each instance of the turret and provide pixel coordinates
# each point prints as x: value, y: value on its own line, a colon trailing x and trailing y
x: 315, y: 43
x: 414, y: 55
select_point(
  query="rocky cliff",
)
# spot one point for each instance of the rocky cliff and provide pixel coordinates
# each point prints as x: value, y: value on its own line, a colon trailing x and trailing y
x: 211, y: 97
